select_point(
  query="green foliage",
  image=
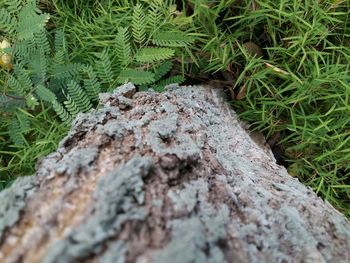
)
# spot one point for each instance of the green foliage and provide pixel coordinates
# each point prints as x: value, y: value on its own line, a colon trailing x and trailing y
x: 30, y: 20
x: 18, y: 127
x: 41, y: 77
x: 80, y: 100
x: 45, y: 94
x: 136, y: 76
x: 171, y: 39
x: 151, y: 54
x: 164, y: 82
x: 139, y: 24
x: 155, y: 15
x: 7, y: 21
x: 123, y: 48
x: 162, y: 69
x: 91, y: 84
x: 104, y: 67
x: 62, y: 112
x: 134, y: 52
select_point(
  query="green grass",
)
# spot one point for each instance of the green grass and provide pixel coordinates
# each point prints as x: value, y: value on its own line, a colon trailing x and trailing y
x: 295, y: 84
x: 299, y: 89
x: 42, y: 139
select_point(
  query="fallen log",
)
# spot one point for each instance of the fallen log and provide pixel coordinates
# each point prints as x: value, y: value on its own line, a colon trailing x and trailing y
x: 169, y: 177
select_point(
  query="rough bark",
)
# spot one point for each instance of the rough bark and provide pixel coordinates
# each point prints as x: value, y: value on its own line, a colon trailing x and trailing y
x: 169, y: 177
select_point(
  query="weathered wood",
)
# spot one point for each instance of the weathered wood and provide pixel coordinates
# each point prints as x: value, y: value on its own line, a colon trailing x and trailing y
x: 169, y: 177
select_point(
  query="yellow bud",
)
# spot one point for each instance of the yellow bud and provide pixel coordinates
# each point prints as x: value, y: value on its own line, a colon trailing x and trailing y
x: 5, y: 59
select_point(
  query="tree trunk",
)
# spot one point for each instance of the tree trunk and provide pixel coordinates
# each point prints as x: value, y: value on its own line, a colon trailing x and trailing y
x: 169, y: 177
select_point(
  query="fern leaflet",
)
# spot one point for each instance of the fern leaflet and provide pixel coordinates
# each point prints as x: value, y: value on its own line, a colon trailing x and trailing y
x: 171, y: 39
x: 154, y: 14
x: 123, y: 48
x: 42, y: 41
x: 61, y: 55
x: 91, y: 84
x: 138, y: 77
x: 13, y: 6
x: 7, y: 21
x: 39, y: 67
x: 151, y: 54
x: 69, y: 70
x: 15, y: 85
x: 62, y: 112
x: 45, y: 94
x: 71, y: 107
x: 163, y: 69
x: 15, y: 132
x: 24, y: 122
x: 139, y: 24
x: 22, y: 77
x: 79, y: 97
x: 171, y: 80
x: 104, y: 67
x: 31, y: 21
x: 18, y: 127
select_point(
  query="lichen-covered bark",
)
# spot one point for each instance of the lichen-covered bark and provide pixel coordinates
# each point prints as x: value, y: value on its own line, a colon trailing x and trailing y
x: 169, y: 177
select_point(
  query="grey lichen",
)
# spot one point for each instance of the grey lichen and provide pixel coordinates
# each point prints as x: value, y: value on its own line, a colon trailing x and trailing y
x: 195, y: 238
x: 77, y: 159
x: 116, y: 253
x: 117, y: 200
x: 13, y: 201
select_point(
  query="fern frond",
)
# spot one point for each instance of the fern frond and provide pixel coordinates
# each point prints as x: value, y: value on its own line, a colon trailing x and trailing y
x: 154, y: 15
x: 138, y: 77
x: 7, y: 21
x: 10, y: 104
x: 79, y: 97
x: 5, y: 101
x: 62, y: 112
x: 15, y: 132
x: 66, y: 71
x: 104, y: 67
x: 19, y: 126
x: 15, y: 86
x: 138, y: 24
x: 152, y: 54
x: 91, y: 84
x: 60, y: 40
x: 25, y: 50
x: 23, y: 121
x: 171, y: 39
x: 171, y: 80
x: 45, y: 94
x: 60, y: 48
x: 23, y: 77
x: 71, y: 107
x: 31, y: 21
x: 60, y: 57
x: 162, y: 69
x: 39, y: 67
x: 14, y: 6
x: 123, y: 48
x: 42, y: 41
